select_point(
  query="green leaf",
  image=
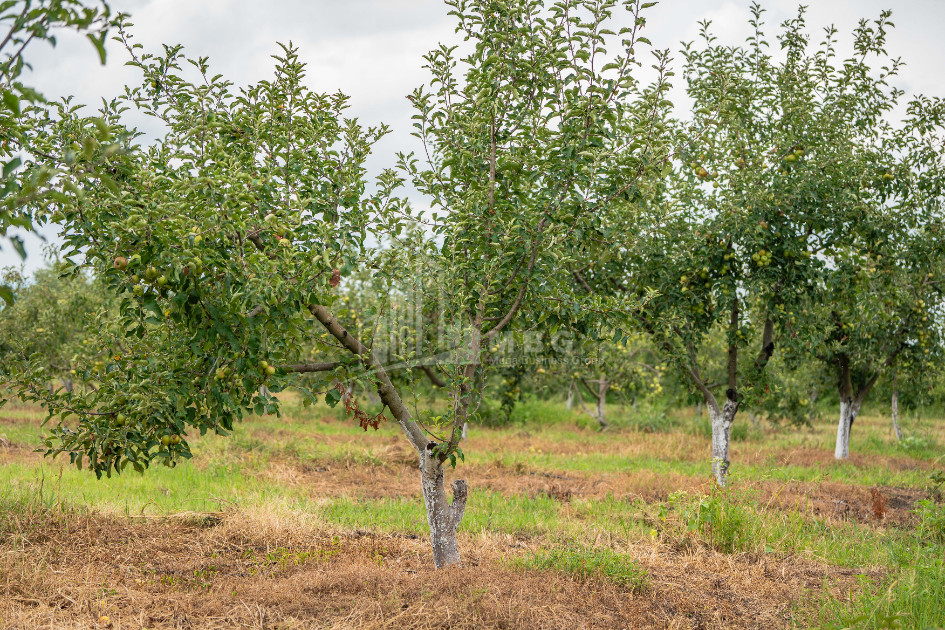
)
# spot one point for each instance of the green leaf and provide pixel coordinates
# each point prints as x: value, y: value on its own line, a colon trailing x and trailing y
x: 99, y: 43
x: 11, y: 166
x: 332, y: 397
x: 11, y: 101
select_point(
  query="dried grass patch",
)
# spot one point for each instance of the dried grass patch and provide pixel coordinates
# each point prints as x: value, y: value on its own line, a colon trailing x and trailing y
x: 266, y: 570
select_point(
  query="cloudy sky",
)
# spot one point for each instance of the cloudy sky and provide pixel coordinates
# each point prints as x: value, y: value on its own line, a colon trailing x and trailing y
x: 372, y: 49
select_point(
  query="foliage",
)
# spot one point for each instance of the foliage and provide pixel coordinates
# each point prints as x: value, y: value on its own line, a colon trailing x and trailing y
x: 718, y: 519
x: 931, y: 520
x: 23, y: 181
x: 55, y: 322
x: 215, y: 249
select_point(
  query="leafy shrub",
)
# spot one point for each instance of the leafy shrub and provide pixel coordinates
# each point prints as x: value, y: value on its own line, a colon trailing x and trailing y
x: 722, y: 523
x: 651, y: 417
x: 913, y: 443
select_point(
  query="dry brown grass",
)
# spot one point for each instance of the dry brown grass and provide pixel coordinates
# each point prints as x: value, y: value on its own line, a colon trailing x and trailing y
x: 263, y: 571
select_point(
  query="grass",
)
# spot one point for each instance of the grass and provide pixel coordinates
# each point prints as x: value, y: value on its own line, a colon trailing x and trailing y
x: 584, y: 564
x: 631, y: 510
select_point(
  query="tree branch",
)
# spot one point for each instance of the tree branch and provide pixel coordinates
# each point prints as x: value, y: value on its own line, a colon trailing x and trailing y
x: 767, y: 345
x: 436, y: 380
x: 304, y: 368
x: 385, y: 389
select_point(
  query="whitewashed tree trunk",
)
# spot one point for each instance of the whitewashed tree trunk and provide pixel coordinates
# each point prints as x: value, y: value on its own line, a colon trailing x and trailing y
x: 895, y: 415
x: 444, y: 517
x: 848, y: 411
x: 721, y: 437
x: 602, y: 387
x: 570, y: 402
x: 698, y: 408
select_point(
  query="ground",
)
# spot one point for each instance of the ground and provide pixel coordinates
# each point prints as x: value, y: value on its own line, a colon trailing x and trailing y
x: 305, y: 521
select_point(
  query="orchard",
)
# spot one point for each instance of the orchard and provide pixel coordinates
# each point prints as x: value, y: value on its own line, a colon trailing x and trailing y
x: 522, y: 305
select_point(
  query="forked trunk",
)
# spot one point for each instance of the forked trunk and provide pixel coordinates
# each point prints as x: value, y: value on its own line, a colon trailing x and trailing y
x: 444, y: 517
x: 721, y: 435
x: 848, y: 410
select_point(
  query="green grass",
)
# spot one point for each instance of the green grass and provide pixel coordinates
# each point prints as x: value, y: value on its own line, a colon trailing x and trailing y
x: 603, y: 564
x: 159, y: 490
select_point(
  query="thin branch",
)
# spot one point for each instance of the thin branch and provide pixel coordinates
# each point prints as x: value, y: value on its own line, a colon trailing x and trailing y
x: 307, y: 368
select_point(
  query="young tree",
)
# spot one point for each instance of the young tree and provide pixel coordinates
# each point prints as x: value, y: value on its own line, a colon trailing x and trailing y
x: 881, y: 301
x: 228, y: 238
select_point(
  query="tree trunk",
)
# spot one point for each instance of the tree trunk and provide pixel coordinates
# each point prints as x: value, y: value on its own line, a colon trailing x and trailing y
x: 444, y: 517
x: 698, y: 408
x: 602, y: 386
x: 721, y: 436
x: 895, y: 415
x: 570, y: 403
x: 848, y: 410
x: 755, y: 420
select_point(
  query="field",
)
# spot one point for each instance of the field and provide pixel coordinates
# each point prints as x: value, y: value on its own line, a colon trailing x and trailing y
x: 305, y: 521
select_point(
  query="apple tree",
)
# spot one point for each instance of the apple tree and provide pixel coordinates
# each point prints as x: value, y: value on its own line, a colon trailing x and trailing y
x: 227, y: 239
x: 768, y: 185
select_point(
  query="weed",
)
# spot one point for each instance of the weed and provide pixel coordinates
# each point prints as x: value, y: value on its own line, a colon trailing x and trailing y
x: 931, y: 521
x: 722, y: 523
x: 913, y: 443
